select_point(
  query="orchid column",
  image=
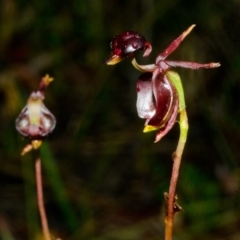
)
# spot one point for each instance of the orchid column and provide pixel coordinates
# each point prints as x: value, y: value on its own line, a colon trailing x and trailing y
x: 160, y: 99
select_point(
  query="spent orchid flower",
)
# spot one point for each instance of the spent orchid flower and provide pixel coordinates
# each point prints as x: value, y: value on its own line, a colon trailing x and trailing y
x: 35, y: 121
x: 159, y: 90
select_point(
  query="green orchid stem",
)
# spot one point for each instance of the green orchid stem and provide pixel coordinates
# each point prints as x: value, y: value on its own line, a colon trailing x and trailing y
x: 183, y: 122
x: 40, y: 199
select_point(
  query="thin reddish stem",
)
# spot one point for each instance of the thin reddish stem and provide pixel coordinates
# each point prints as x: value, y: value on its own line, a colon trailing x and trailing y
x: 40, y: 200
x: 175, y: 173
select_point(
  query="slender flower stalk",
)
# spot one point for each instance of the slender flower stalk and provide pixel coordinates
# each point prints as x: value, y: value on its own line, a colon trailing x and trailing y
x: 160, y: 100
x: 172, y: 207
x: 40, y: 199
x: 35, y: 122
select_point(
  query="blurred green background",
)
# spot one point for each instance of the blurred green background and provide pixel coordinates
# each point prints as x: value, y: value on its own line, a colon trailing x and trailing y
x: 104, y: 178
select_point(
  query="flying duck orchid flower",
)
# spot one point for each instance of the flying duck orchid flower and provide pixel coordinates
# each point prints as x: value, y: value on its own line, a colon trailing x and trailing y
x: 35, y: 121
x: 160, y: 99
x: 160, y: 94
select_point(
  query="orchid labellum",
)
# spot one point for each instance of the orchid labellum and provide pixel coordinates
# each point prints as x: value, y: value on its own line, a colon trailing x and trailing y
x: 159, y: 91
x: 125, y: 44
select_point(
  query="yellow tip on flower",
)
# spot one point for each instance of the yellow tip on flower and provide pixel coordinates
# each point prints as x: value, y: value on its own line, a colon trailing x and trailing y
x: 26, y: 149
x: 185, y: 33
x: 47, y: 79
x: 36, y: 144
x: 149, y: 128
x: 114, y: 59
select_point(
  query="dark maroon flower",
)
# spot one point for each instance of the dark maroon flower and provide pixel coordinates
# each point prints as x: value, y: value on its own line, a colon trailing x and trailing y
x: 160, y: 94
x: 125, y: 44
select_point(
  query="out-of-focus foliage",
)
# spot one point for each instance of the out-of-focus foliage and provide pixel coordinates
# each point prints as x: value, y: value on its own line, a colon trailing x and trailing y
x: 104, y: 178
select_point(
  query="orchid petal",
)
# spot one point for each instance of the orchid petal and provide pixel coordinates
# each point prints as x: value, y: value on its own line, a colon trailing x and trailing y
x: 192, y: 65
x: 173, y: 45
x: 170, y: 122
x: 147, y: 49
